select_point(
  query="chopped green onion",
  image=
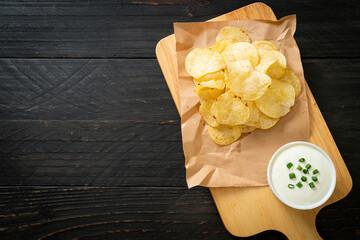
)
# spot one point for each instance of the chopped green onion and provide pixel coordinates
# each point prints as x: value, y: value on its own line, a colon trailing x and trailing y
x: 308, y: 166
x: 299, y: 185
x: 315, y: 171
x: 292, y: 175
x: 302, y: 160
x: 289, y: 165
x: 312, y: 185
x: 314, y: 178
x: 291, y: 186
x: 303, y: 178
x: 305, y: 171
x: 299, y: 168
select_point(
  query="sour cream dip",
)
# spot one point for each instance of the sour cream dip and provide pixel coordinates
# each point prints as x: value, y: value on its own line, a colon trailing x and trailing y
x: 301, y: 175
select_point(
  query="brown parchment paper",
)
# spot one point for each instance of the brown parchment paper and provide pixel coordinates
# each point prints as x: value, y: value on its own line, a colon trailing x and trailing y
x: 243, y: 163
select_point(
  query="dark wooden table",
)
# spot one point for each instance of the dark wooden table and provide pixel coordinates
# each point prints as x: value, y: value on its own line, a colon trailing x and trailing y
x: 90, y: 141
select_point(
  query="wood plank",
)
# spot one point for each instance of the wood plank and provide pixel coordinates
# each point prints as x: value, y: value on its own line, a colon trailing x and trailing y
x: 133, y: 213
x: 84, y: 89
x: 131, y: 29
x: 110, y: 153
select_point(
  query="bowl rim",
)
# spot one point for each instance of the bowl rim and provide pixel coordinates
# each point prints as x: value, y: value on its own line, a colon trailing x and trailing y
x: 333, y: 174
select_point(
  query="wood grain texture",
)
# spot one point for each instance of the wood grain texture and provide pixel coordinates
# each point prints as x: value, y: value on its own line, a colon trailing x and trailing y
x: 132, y: 28
x: 121, y: 89
x: 96, y: 153
x: 133, y: 213
x: 248, y: 211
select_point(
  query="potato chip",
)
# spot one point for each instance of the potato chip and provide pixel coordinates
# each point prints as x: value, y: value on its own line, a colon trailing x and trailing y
x: 258, y: 119
x: 239, y: 70
x: 290, y: 77
x: 212, y: 80
x: 277, y: 100
x: 227, y: 81
x: 219, y: 84
x: 229, y: 109
x: 224, y: 135
x: 211, y: 76
x: 265, y: 64
x: 241, y: 51
x: 230, y: 32
x: 220, y: 46
x: 206, y: 94
x: 252, y: 87
x: 201, y: 61
x: 204, y: 110
x: 246, y: 129
x: 264, y: 45
x: 272, y: 63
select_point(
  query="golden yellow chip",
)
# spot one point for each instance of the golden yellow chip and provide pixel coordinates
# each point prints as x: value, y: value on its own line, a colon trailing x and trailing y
x: 219, y: 84
x: 290, y: 77
x: 211, y: 76
x: 201, y: 61
x: 277, y: 100
x: 252, y: 87
x: 230, y: 110
x: 220, y: 46
x: 264, y: 65
x: 206, y: 94
x: 224, y: 135
x: 264, y: 45
x: 239, y: 70
x: 272, y: 63
x: 241, y: 51
x: 204, y: 110
x: 227, y: 81
x: 230, y: 32
x: 246, y: 129
x: 258, y: 119
x: 212, y: 80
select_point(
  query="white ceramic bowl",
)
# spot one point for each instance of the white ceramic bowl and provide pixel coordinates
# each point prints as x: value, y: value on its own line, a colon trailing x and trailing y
x: 332, y: 169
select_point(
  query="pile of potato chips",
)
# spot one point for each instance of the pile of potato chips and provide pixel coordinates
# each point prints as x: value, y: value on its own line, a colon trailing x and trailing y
x: 242, y: 86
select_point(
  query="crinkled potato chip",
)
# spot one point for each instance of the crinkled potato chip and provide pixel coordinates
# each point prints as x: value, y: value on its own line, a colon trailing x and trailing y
x: 239, y: 70
x: 220, y: 46
x: 252, y: 87
x: 227, y: 81
x: 264, y: 65
x: 224, y: 135
x: 211, y: 76
x: 201, y: 61
x: 218, y: 84
x: 277, y: 100
x: 264, y: 45
x: 230, y: 32
x: 290, y: 77
x: 206, y: 94
x: 212, y: 80
x: 258, y: 119
x: 204, y: 110
x: 246, y: 129
x: 230, y: 110
x: 241, y: 51
x: 272, y: 63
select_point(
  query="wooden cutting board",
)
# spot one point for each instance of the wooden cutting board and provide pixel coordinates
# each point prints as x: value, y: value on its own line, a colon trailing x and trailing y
x: 251, y: 210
